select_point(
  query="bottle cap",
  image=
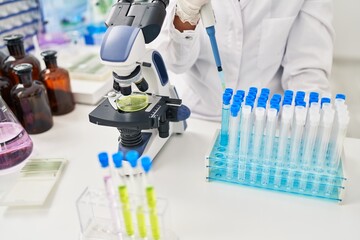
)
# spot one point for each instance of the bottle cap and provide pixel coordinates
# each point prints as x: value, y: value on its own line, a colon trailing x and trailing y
x: 234, y: 109
x: 289, y: 93
x: 226, y: 98
x: 229, y: 90
x: 314, y: 94
x: 117, y: 159
x: 265, y: 90
x: 340, y: 96
x: 103, y: 159
x: 132, y: 156
x: 253, y: 89
x: 13, y: 39
x: 300, y: 93
x: 48, y: 54
x: 23, y: 68
x: 146, y: 163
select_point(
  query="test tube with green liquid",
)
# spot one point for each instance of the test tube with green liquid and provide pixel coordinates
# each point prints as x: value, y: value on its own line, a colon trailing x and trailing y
x: 123, y: 194
x: 151, y: 198
x: 132, y: 157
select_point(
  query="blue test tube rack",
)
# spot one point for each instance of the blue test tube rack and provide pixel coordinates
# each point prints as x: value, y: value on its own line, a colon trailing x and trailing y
x: 325, y: 183
x: 324, y: 180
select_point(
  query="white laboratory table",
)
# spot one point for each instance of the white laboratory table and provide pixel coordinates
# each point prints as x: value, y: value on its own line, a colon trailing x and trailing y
x: 199, y: 210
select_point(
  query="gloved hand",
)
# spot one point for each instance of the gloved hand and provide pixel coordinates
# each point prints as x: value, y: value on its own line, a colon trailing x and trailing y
x: 189, y: 10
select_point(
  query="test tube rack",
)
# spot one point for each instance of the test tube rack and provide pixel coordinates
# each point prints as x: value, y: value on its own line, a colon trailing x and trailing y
x: 20, y: 17
x: 95, y: 218
x: 325, y: 183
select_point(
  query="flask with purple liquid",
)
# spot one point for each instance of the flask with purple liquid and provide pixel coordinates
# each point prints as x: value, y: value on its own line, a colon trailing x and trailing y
x: 15, y: 144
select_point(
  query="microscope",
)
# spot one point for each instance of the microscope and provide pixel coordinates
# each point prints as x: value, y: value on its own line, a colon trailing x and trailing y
x: 136, y: 69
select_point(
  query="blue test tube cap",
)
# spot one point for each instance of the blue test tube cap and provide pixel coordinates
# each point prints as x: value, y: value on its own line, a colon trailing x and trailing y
x: 132, y: 156
x: 314, y: 95
x: 313, y: 99
x: 340, y: 96
x: 261, y: 105
x: 264, y: 95
x: 265, y: 91
x: 300, y: 93
x: 275, y: 106
x: 277, y: 97
x: 325, y: 100
x: 240, y: 93
x: 262, y: 99
x: 117, y: 159
x: 103, y: 159
x: 234, y: 109
x: 146, y: 163
x: 302, y: 103
x: 229, y: 90
x: 226, y: 98
x: 252, y: 95
x: 237, y: 99
x: 288, y: 93
x: 253, y: 89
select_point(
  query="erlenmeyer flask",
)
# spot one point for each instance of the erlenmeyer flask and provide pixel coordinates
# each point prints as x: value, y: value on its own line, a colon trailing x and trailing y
x: 15, y: 144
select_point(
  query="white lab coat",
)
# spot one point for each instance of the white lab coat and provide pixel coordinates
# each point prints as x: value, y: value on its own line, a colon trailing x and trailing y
x: 279, y: 44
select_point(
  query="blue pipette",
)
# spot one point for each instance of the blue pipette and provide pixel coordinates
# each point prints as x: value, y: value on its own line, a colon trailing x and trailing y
x: 208, y: 20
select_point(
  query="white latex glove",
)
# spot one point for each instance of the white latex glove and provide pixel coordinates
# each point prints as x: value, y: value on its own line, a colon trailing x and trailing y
x: 189, y: 10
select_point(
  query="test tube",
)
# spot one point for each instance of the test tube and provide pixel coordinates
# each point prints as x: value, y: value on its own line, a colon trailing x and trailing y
x: 295, y: 142
x: 286, y: 118
x: 132, y: 157
x: 233, y: 139
x: 110, y: 194
x: 297, y: 133
x: 123, y: 194
x: 260, y: 116
x: 151, y: 198
x: 326, y: 122
x: 270, y: 130
x: 224, y: 135
x: 310, y: 134
x: 258, y: 137
x: 338, y: 138
x: 245, y: 130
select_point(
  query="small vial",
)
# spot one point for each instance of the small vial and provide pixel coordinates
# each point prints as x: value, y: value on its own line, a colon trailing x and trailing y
x: 224, y: 136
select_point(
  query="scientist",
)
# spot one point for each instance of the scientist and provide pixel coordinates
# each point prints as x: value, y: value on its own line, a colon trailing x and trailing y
x: 278, y: 44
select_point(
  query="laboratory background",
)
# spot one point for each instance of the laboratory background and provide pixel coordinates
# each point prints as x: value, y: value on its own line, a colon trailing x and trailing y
x: 96, y: 142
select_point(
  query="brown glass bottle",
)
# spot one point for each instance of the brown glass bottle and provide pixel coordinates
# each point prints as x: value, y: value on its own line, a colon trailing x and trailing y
x: 5, y: 88
x: 57, y: 83
x: 5, y: 82
x: 31, y: 102
x: 15, y: 45
x: 3, y: 57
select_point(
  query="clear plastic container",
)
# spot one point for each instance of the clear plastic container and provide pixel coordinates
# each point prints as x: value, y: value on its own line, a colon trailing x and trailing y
x: 95, y: 218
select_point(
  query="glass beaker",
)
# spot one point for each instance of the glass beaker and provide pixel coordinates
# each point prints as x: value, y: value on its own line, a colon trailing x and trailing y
x: 15, y: 144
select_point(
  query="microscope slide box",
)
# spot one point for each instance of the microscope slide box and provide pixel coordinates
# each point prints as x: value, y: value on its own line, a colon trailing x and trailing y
x: 90, y: 79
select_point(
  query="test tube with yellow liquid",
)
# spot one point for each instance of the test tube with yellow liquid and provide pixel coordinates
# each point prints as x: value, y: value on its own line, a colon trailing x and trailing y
x: 151, y: 199
x: 132, y: 157
x: 123, y: 194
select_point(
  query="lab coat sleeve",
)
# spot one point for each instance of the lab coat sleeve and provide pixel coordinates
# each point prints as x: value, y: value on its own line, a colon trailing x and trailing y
x: 308, y: 57
x: 180, y: 50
